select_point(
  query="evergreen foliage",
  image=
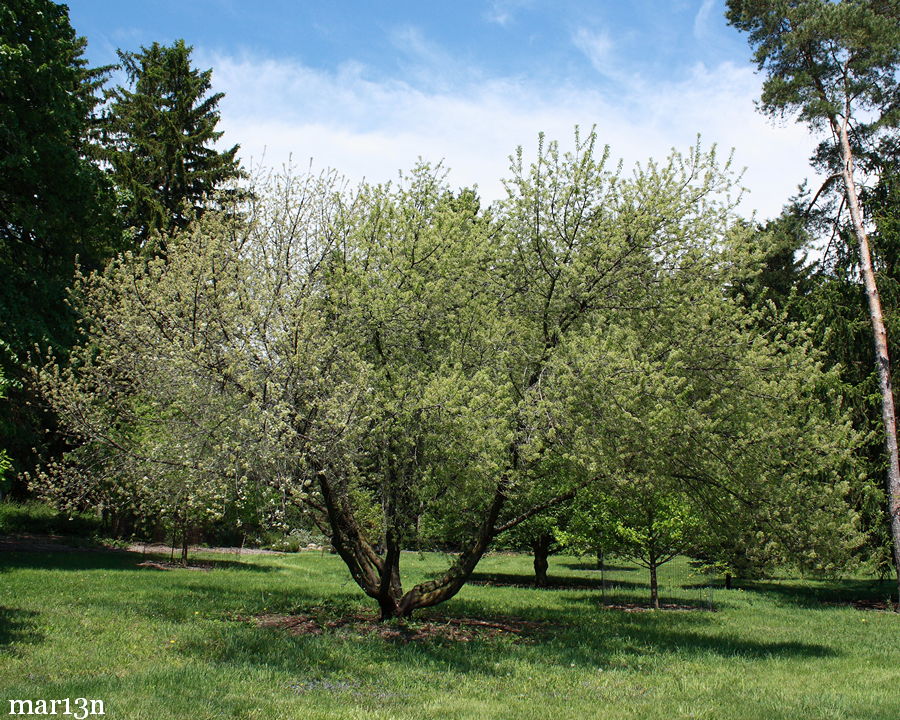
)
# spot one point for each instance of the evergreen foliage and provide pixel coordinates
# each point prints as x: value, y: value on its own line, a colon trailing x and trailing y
x: 56, y: 205
x: 159, y: 136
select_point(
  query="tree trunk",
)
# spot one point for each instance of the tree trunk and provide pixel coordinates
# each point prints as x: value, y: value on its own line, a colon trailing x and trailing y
x: 882, y: 359
x: 654, y: 585
x: 728, y: 581
x: 600, y: 558
x: 184, y: 544
x: 541, y: 549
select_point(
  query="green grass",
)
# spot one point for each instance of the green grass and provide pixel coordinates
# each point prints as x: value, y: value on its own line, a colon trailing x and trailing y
x: 176, y: 644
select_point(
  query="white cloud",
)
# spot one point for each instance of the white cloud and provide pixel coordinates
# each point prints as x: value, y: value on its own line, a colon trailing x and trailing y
x: 597, y: 46
x: 701, y: 19
x: 366, y: 127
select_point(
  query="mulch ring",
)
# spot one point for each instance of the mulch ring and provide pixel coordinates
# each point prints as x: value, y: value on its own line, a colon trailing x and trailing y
x: 165, y: 565
x: 440, y: 628
x: 882, y: 606
x: 646, y: 607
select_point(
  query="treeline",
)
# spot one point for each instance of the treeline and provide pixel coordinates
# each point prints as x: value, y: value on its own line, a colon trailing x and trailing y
x: 86, y: 171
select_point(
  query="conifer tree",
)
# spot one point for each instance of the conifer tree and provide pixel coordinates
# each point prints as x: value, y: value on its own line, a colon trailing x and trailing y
x: 160, y: 134
x: 834, y: 65
x: 56, y: 204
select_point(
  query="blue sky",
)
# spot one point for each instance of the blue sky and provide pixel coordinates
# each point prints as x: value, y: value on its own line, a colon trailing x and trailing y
x: 368, y: 87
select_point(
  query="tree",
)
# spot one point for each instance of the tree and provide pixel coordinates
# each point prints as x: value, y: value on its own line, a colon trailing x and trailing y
x: 835, y: 65
x: 397, y: 359
x: 538, y: 535
x: 639, y: 519
x: 159, y: 135
x: 56, y: 206
x: 835, y: 305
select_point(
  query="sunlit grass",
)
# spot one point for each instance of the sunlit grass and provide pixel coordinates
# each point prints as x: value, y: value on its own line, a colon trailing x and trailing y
x: 181, y: 644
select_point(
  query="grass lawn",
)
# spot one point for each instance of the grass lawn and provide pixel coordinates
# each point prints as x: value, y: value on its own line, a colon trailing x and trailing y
x: 161, y: 644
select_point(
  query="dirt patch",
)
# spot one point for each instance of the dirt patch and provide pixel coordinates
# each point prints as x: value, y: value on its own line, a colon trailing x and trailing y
x: 883, y: 606
x: 440, y: 628
x: 646, y: 607
x: 173, y: 566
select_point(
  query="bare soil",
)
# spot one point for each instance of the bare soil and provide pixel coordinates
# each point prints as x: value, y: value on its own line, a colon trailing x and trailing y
x: 875, y: 605
x: 441, y: 628
x: 647, y: 607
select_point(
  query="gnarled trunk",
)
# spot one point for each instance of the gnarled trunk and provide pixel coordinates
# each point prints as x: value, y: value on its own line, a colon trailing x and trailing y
x: 541, y: 549
x: 379, y: 577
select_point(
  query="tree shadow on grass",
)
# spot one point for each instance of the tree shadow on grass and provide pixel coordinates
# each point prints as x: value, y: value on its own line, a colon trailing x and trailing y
x: 591, y: 566
x: 17, y: 627
x: 818, y: 593
x: 579, y: 637
x: 105, y: 559
x: 182, y: 598
x: 522, y: 580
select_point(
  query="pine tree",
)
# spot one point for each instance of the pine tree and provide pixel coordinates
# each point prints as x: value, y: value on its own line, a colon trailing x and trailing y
x: 835, y: 66
x: 159, y: 134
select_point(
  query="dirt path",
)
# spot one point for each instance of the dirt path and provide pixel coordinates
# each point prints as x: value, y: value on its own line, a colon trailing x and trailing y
x: 27, y: 542
x: 160, y: 549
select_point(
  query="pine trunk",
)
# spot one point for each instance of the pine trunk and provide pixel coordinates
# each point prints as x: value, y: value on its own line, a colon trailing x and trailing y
x: 882, y: 359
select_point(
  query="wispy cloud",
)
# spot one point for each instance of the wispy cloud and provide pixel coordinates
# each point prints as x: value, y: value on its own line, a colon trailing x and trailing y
x: 369, y: 127
x: 502, y: 12
x: 600, y: 50
x: 597, y: 46
x: 701, y: 19
x: 428, y: 63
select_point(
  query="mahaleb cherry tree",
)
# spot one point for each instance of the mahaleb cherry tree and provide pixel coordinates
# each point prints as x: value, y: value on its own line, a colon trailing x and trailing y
x: 397, y: 359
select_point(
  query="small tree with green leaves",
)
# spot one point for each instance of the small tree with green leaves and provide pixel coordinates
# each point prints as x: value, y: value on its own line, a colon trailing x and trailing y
x: 636, y: 518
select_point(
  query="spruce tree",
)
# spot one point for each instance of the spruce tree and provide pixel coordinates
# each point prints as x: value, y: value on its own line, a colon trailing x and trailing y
x: 56, y: 205
x: 160, y: 132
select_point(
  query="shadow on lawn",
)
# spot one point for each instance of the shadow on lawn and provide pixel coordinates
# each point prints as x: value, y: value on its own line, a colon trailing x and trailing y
x: 17, y: 627
x: 816, y: 593
x: 523, y: 580
x: 592, y: 566
x: 580, y: 637
x: 105, y: 559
